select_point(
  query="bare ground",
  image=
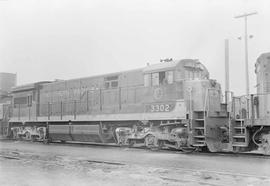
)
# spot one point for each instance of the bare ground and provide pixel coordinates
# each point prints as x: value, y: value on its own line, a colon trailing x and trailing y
x: 31, y: 167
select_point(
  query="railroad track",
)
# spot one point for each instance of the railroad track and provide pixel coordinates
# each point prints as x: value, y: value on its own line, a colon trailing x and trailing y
x: 168, y: 150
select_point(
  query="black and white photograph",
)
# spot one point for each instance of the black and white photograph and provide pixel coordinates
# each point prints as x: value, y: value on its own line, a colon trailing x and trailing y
x: 134, y: 92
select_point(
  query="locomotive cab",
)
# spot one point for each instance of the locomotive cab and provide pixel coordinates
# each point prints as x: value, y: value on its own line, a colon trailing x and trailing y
x: 204, y: 115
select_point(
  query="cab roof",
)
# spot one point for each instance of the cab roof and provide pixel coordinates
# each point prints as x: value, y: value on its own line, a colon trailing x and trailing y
x: 191, y: 63
x: 29, y: 86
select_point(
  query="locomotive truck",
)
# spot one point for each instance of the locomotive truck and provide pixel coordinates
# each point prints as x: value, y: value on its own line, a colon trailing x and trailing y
x: 172, y: 104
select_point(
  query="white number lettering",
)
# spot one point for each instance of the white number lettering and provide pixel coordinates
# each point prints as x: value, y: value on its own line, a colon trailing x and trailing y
x: 167, y: 108
x: 152, y: 108
x: 157, y: 108
x: 161, y: 108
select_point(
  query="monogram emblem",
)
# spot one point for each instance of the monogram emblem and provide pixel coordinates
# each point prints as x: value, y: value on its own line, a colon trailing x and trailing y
x: 158, y: 93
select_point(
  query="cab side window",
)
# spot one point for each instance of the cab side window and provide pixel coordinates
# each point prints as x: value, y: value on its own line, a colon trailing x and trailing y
x: 111, y: 82
x: 155, y: 79
x: 20, y: 102
x: 29, y: 100
x: 169, y: 75
x: 162, y: 78
x: 158, y: 78
x: 147, y: 80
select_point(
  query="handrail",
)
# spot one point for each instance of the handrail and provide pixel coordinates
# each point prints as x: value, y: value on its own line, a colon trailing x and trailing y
x: 241, y: 115
x: 6, y: 111
x: 229, y: 96
x: 205, y: 102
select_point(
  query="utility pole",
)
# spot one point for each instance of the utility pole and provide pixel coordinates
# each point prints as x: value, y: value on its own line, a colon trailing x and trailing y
x: 246, y: 46
x: 227, y: 78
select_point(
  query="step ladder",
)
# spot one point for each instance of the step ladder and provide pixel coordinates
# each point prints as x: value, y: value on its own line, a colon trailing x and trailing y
x: 240, y: 136
x: 198, y: 129
x: 239, y: 133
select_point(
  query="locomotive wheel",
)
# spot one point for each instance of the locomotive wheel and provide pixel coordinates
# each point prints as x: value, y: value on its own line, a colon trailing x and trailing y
x: 266, y: 144
x: 33, y: 138
x: 177, y: 145
x: 188, y: 149
x: 131, y: 143
x: 19, y: 137
x: 122, y: 141
x: 47, y: 141
x: 14, y: 134
x: 160, y: 144
x: 27, y: 136
x: 150, y: 141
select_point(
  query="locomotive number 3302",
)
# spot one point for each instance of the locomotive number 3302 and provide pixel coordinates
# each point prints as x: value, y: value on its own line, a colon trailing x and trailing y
x: 160, y: 108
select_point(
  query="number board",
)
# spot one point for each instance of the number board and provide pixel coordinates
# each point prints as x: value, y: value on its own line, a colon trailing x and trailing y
x: 159, y: 107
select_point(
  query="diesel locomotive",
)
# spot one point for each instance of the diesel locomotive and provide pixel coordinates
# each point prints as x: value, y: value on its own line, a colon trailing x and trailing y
x: 172, y: 104
x: 251, y: 113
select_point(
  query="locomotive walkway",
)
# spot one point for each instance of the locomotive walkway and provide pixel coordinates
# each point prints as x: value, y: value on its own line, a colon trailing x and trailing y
x: 100, y: 165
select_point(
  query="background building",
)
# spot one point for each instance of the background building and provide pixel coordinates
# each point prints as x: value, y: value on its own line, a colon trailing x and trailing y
x: 7, y: 80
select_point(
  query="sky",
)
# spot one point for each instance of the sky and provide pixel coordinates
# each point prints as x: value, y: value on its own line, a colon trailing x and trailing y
x: 65, y: 39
